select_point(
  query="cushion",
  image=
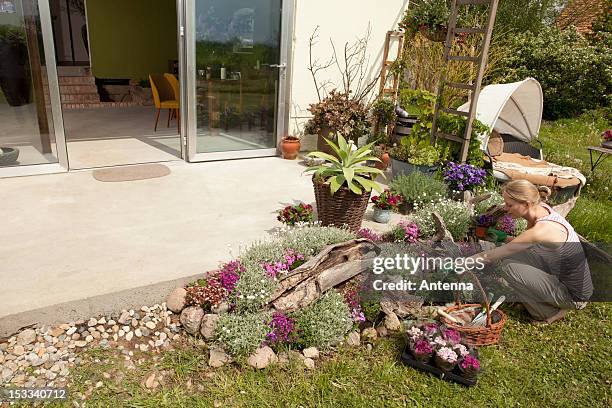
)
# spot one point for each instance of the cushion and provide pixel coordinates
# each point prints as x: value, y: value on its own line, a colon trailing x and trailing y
x: 495, y: 144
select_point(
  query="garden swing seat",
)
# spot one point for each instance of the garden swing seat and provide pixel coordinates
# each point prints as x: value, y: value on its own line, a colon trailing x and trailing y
x: 513, y: 114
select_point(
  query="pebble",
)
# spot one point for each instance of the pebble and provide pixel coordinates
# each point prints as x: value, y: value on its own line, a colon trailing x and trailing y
x: 101, y: 328
x: 163, y: 336
x: 138, y: 333
x: 111, y: 323
x: 18, y: 350
x: 71, y: 331
x: 89, y: 339
x: 121, y: 333
x: 80, y: 343
x: 92, y: 322
x: 150, y: 325
x: 129, y: 336
x: 126, y: 328
x: 134, y: 323
x: 102, y: 320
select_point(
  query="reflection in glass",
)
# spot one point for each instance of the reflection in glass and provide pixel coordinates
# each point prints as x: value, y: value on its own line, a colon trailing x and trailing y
x: 237, y: 41
x: 26, y: 130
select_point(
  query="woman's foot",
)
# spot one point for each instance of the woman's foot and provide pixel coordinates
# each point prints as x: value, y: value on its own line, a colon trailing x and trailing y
x: 557, y: 316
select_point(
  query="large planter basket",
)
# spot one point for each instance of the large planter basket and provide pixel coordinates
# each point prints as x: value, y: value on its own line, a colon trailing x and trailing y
x: 344, y: 208
x: 485, y: 335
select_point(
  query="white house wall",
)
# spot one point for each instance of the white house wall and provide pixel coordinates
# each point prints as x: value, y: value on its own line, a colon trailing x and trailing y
x: 341, y: 21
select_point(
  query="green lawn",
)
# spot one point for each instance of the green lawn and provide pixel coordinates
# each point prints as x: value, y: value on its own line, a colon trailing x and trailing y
x: 565, y: 142
x: 567, y: 364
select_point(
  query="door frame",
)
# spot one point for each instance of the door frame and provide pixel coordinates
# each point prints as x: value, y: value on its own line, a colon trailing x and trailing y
x: 61, y: 166
x: 187, y: 56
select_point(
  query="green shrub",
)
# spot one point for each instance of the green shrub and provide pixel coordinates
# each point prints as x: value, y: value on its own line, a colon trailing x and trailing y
x: 416, y: 101
x: 455, y: 214
x: 325, y: 322
x: 242, y: 334
x: 574, y: 75
x: 418, y: 187
x: 383, y: 112
x: 310, y: 240
x: 253, y: 289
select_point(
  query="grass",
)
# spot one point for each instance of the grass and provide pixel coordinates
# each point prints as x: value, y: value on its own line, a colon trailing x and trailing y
x: 564, y: 365
x: 565, y: 142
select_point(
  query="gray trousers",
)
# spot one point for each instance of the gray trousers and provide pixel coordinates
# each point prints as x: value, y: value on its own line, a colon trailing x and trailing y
x: 542, y: 293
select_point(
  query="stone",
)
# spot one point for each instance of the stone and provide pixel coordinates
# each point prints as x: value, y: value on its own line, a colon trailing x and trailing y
x: 381, y: 331
x: 101, y: 328
x: 26, y: 337
x: 121, y: 333
x: 369, y: 334
x: 71, y: 331
x: 76, y: 336
x: 150, y: 325
x: 18, y: 350
x: 115, y: 337
x: 163, y: 336
x: 6, y: 375
x: 353, y: 339
x: 151, y: 382
x: 311, y: 352
x: 222, y: 307
x: 176, y: 301
x: 144, y: 347
x: 89, y: 339
x: 209, y: 325
x: 50, y: 375
x: 191, y: 317
x: 80, y: 343
x: 111, y: 323
x: 134, y: 323
x: 96, y: 335
x: 124, y: 318
x: 159, y: 343
x: 92, y: 322
x: 263, y: 357
x: 392, y: 322
x: 129, y: 336
x: 58, y: 331
x: 102, y: 320
x: 138, y: 333
x: 126, y: 328
x: 309, y: 363
x: 145, y: 309
x: 145, y: 331
x: 218, y: 358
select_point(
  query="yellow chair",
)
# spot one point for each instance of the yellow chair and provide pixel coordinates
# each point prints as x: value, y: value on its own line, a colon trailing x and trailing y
x: 163, y: 97
x: 174, y: 83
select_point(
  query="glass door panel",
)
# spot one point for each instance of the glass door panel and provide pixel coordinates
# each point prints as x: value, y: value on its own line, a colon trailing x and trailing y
x: 27, y: 127
x: 237, y: 62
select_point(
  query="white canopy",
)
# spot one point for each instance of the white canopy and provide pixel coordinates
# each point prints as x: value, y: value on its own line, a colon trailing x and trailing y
x: 514, y: 108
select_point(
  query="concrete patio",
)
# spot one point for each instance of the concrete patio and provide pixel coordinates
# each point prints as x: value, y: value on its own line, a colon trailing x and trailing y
x: 71, y: 246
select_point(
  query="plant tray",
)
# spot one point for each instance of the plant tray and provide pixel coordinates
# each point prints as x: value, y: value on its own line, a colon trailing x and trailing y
x: 453, y: 376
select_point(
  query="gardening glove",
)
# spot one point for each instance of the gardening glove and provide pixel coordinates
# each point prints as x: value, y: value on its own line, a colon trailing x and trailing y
x: 497, y: 235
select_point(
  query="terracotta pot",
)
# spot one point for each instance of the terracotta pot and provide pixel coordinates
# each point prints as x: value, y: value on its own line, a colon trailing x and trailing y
x: 290, y: 148
x: 481, y: 232
x: 385, y: 162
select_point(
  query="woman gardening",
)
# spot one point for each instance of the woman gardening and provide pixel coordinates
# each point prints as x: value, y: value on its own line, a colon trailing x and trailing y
x: 545, y: 265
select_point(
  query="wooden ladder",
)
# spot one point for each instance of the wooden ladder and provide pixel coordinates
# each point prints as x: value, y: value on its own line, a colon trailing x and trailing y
x: 473, y: 88
x: 386, y: 65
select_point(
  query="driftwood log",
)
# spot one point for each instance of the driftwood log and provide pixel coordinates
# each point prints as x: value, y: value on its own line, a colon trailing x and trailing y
x: 333, y: 266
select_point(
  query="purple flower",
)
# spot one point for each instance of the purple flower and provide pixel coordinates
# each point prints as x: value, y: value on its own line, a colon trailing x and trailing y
x: 470, y: 363
x: 430, y: 328
x: 282, y: 329
x: 506, y: 224
x: 451, y: 335
x: 447, y: 354
x: 291, y: 260
x: 229, y: 275
x: 422, y: 347
x: 369, y: 234
x: 463, y: 177
x: 411, y: 231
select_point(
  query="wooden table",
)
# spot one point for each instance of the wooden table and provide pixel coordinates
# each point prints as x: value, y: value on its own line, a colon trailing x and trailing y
x: 604, y: 152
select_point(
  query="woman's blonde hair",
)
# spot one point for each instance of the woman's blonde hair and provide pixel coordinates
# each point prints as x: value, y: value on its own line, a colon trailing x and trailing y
x: 525, y: 192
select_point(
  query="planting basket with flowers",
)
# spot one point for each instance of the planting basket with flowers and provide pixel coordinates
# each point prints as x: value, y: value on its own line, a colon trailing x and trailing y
x: 485, y: 335
x: 606, y: 139
x: 343, y: 184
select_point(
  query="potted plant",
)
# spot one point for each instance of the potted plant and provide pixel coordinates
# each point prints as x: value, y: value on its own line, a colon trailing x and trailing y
x: 607, y: 139
x: 446, y: 358
x: 337, y: 113
x: 14, y: 65
x: 343, y: 183
x: 414, y: 155
x: 462, y: 177
x: 429, y: 17
x: 381, y: 153
x: 422, y: 350
x: 295, y: 214
x: 483, y: 223
x: 383, y: 114
x: 384, y: 205
x: 469, y: 366
x: 290, y: 147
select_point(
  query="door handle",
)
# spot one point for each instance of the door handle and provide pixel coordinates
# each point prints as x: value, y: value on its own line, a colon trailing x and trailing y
x: 278, y: 66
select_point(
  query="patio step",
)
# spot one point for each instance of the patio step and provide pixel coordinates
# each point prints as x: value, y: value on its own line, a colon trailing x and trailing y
x: 76, y: 80
x: 80, y: 97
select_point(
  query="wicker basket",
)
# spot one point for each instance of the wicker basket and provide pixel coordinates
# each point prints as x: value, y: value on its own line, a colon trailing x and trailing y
x: 478, y: 336
x: 343, y: 208
x: 437, y: 34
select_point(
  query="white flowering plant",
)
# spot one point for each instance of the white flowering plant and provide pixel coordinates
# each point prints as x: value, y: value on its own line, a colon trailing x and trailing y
x: 456, y: 215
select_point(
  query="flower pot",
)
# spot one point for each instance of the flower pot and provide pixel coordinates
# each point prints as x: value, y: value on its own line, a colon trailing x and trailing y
x: 423, y: 358
x: 468, y: 374
x: 437, y: 34
x: 384, y: 163
x: 481, y: 232
x: 402, y: 168
x: 382, y: 216
x: 8, y: 156
x: 342, y: 208
x: 443, y: 364
x: 322, y: 145
x: 290, y: 148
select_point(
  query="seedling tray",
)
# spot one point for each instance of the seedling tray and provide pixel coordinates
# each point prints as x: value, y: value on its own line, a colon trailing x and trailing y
x: 453, y: 376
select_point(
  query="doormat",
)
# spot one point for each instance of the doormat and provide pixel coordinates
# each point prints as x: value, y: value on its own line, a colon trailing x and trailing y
x: 131, y: 173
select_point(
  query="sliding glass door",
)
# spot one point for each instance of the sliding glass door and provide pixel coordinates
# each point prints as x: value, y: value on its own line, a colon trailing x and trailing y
x: 28, y: 86
x: 236, y: 58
